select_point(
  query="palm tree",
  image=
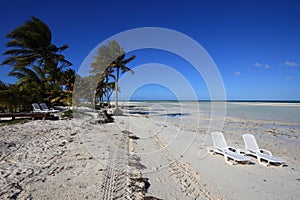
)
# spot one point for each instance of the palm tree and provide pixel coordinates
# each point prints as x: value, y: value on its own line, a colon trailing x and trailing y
x: 3, y: 96
x: 37, y: 63
x: 68, y: 77
x: 104, y: 85
x: 32, y: 43
x: 68, y: 80
x: 111, y: 57
x: 13, y: 98
x: 120, y: 64
x: 33, y: 80
x: 27, y: 75
x: 3, y: 86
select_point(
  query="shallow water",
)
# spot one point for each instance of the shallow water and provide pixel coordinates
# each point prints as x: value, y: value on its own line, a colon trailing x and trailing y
x: 267, y: 111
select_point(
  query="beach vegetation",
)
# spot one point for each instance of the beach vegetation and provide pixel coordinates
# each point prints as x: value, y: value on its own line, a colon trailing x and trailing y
x: 67, y: 114
x: 43, y: 72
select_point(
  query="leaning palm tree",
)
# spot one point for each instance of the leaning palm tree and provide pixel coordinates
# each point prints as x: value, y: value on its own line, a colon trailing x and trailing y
x: 36, y: 61
x: 31, y: 43
x: 105, y: 84
x: 120, y: 65
x: 111, y: 57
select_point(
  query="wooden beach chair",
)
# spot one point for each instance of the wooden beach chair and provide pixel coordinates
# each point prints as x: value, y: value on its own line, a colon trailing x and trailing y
x: 231, y: 154
x: 263, y: 156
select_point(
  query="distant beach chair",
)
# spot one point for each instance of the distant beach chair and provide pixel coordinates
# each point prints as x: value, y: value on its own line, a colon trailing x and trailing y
x: 231, y: 154
x: 263, y: 156
x: 46, y: 109
x: 37, y: 108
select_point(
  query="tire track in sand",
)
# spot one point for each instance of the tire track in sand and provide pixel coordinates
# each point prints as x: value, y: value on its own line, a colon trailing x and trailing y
x: 116, y: 177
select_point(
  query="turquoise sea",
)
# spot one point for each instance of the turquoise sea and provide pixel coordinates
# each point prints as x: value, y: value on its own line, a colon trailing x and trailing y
x: 282, y: 112
x: 286, y: 112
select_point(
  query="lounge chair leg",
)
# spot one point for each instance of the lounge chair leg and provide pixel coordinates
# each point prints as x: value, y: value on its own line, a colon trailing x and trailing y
x: 259, y: 161
x: 227, y: 160
x: 262, y: 163
x: 210, y: 151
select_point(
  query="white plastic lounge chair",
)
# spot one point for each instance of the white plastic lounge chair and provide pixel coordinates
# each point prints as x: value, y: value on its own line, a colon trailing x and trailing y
x: 229, y: 153
x: 37, y: 108
x: 263, y: 156
x: 45, y: 108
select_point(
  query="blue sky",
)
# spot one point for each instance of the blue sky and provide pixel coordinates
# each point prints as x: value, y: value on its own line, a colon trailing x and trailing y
x: 254, y: 44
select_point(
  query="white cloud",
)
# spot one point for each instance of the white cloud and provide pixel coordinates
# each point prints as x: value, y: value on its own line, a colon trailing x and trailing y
x: 267, y: 66
x: 237, y: 73
x: 290, y: 64
x: 258, y: 65
x: 262, y: 65
x: 288, y: 77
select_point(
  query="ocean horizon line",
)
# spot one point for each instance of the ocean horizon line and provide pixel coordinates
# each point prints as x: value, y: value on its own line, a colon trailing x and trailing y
x: 238, y: 101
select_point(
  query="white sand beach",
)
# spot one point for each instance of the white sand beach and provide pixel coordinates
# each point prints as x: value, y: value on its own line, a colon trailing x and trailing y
x: 144, y: 156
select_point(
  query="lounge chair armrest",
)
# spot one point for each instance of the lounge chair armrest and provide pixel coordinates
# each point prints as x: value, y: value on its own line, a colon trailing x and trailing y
x: 213, y: 150
x: 240, y: 151
x: 265, y: 151
x: 232, y: 148
x: 210, y: 150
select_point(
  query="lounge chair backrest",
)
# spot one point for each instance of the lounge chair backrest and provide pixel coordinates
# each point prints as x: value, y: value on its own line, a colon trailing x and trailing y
x: 44, y: 106
x: 219, y: 140
x: 250, y: 142
x: 36, y: 107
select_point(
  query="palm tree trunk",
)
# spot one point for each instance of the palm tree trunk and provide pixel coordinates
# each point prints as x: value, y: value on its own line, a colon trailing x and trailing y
x: 107, y: 96
x: 116, y: 88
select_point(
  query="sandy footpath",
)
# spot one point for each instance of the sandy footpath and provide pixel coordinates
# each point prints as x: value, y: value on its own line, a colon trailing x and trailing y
x: 142, y: 157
